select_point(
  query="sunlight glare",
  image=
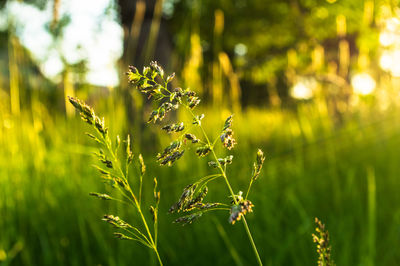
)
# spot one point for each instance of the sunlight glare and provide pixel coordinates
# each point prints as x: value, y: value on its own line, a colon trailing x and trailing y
x: 395, y: 67
x: 363, y: 84
x: 393, y: 24
x: 386, y: 38
x: 52, y: 66
x: 386, y: 61
x: 303, y: 89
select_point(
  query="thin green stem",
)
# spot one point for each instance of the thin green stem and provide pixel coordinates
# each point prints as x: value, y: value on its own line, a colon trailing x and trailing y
x: 140, y: 234
x: 224, y: 176
x: 121, y: 201
x: 158, y: 256
x: 156, y: 225
x: 138, y: 238
x: 215, y: 141
x: 208, y: 176
x: 252, y: 241
x: 212, y: 209
x: 248, y: 189
x: 209, y: 180
x: 216, y: 209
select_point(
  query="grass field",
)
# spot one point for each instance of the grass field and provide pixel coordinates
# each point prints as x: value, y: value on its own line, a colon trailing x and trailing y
x: 346, y: 175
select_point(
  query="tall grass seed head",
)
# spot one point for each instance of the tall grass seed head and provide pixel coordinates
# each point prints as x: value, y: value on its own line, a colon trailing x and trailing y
x: 100, y: 196
x: 88, y: 115
x: 239, y: 210
x: 157, y: 68
x: 133, y: 74
x: 82, y: 107
x: 257, y: 166
x: 191, y: 138
x: 122, y: 236
x: 197, y: 119
x: 157, y: 194
x: 142, y: 165
x: 228, y: 123
x: 221, y: 161
x: 176, y: 127
x: 197, y: 202
x: 154, y: 213
x: 171, y: 153
x: 321, y: 238
x: 129, y: 153
x: 170, y: 77
x: 115, y: 221
x: 186, y: 197
x: 203, y: 150
x: 188, y: 219
x: 226, y: 137
x: 103, y: 159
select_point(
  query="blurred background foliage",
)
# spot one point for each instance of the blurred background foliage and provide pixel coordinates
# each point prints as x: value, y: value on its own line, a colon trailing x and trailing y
x: 314, y: 83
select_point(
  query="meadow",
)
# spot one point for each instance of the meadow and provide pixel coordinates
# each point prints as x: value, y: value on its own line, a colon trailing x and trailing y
x: 313, y: 84
x: 347, y: 175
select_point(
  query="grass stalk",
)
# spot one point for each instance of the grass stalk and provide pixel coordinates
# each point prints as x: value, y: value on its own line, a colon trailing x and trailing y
x: 371, y: 217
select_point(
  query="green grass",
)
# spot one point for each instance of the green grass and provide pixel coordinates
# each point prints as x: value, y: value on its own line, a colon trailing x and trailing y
x: 312, y: 170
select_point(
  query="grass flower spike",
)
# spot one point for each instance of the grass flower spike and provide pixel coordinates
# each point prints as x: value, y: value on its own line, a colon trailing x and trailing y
x: 116, y: 173
x: 323, y: 246
x: 152, y: 82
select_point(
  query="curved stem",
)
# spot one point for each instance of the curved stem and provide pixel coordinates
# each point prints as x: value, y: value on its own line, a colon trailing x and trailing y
x: 248, y: 189
x: 252, y: 241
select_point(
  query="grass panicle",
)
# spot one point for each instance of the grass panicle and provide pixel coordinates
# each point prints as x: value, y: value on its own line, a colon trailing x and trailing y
x: 321, y: 238
x: 152, y: 82
x: 116, y: 174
